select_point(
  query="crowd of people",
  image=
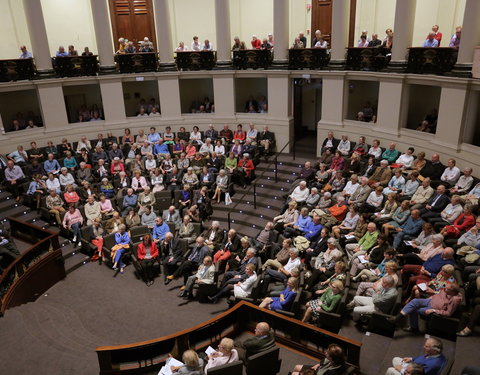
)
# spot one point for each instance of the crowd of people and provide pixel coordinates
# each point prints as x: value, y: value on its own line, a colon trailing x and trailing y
x: 127, y: 46
x: 94, y: 113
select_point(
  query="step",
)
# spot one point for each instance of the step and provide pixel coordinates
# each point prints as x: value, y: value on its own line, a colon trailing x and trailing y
x: 76, y: 261
x: 15, y: 212
x: 7, y: 204
x: 248, y: 209
x: 69, y: 250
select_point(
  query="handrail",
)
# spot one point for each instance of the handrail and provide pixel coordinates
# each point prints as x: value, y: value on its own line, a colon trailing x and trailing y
x: 254, y: 185
x: 148, y: 356
x: 20, y: 265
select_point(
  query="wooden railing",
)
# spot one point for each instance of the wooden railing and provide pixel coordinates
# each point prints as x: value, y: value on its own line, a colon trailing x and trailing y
x: 252, y: 58
x: 137, y: 62
x: 148, y: 356
x: 431, y: 60
x: 196, y: 60
x: 369, y: 58
x: 16, y: 69
x: 75, y: 66
x: 308, y: 58
x: 36, y: 270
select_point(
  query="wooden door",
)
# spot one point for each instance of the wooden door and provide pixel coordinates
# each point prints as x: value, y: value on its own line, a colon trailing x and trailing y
x: 322, y: 19
x: 133, y: 20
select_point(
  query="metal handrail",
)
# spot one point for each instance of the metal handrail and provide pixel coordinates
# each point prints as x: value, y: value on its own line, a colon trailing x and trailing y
x: 254, y: 185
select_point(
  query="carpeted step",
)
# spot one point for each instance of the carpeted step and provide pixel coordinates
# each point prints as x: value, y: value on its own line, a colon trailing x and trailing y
x: 15, y: 211
x: 75, y: 261
x: 7, y: 204
x: 69, y: 250
x: 248, y: 209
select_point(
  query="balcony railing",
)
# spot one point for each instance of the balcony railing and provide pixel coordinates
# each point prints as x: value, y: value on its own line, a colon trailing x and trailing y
x: 16, y: 70
x: 196, y: 60
x: 252, y: 59
x: 75, y: 66
x: 137, y: 62
x: 369, y: 59
x: 308, y: 58
x: 438, y: 60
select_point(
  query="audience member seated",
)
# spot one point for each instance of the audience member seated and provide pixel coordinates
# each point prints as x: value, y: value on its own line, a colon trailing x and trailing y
x: 327, y: 302
x: 147, y: 254
x: 333, y: 363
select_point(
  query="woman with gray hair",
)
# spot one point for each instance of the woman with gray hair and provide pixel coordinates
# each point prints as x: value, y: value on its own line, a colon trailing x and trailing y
x: 66, y: 178
x: 221, y: 185
x: 312, y: 198
x: 325, y: 264
x: 225, y: 354
x: 434, y: 248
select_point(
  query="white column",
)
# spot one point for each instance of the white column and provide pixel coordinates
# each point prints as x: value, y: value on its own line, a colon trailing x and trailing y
x: 224, y: 93
x: 163, y: 31
x: 340, y: 28
x: 112, y: 99
x: 52, y: 103
x: 280, y: 29
x: 103, y: 33
x: 403, y: 29
x: 222, y: 27
x: 169, y: 97
x: 390, y: 110
x: 38, y: 35
x: 470, y: 32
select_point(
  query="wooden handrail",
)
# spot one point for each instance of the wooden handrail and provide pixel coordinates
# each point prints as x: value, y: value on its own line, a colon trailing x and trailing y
x: 17, y: 266
x: 149, y: 354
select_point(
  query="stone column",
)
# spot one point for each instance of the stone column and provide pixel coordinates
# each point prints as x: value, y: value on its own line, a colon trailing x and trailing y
x: 280, y: 31
x: 103, y: 34
x: 222, y: 27
x: 403, y: 32
x: 38, y: 36
x: 163, y: 32
x: 340, y: 28
x: 470, y: 37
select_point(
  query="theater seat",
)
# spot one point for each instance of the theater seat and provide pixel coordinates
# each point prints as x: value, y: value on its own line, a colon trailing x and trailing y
x: 264, y: 363
x: 233, y: 368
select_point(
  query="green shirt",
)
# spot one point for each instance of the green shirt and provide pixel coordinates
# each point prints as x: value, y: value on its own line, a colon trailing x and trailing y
x: 390, y: 155
x: 330, y: 300
x: 230, y: 163
x: 368, y: 240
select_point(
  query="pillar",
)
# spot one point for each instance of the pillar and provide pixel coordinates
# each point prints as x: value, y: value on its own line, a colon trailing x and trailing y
x: 52, y: 103
x: 470, y: 36
x: 103, y: 34
x: 169, y: 97
x: 340, y: 29
x: 222, y: 28
x: 163, y: 32
x: 279, y: 116
x: 389, y: 116
x: 280, y: 31
x: 112, y: 100
x: 38, y: 36
x: 403, y: 31
x: 451, y: 111
x: 224, y: 93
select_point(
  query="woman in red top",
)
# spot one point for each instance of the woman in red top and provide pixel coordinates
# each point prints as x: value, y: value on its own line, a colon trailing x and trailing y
x: 243, y: 171
x: 337, y: 162
x: 116, y: 166
x: 239, y: 134
x: 71, y: 196
x: 462, y: 224
x: 147, y: 254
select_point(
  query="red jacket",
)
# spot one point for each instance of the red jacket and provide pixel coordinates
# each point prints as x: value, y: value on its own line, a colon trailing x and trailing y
x: 142, y: 251
x: 456, y: 228
x: 256, y: 44
x: 248, y: 165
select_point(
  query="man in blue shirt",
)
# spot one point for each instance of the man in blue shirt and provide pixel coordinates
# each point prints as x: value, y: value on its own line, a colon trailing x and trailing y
x: 19, y: 156
x: 160, y: 230
x: 25, y: 54
x: 161, y: 148
x: 409, y: 229
x: 298, y: 228
x: 313, y: 228
x: 153, y: 137
x: 129, y: 201
x: 430, y: 42
x: 61, y: 52
x: 433, y: 361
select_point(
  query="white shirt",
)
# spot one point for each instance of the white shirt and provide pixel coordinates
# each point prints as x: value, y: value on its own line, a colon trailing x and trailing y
x: 405, y: 159
x: 292, y: 264
x: 451, y: 175
x: 220, y: 150
x: 299, y: 195
x: 209, y: 48
x: 206, y: 148
x: 196, y: 46
x: 245, y: 288
x: 344, y: 147
x: 350, y: 188
x: 377, y: 152
x: 375, y: 200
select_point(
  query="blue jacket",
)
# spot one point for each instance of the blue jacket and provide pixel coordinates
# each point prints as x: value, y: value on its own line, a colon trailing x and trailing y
x: 122, y: 239
x: 50, y: 166
x: 312, y: 230
x: 431, y: 365
x: 161, y: 149
x: 288, y: 295
x: 159, y: 231
x: 435, y: 264
x: 302, y: 222
x: 130, y: 200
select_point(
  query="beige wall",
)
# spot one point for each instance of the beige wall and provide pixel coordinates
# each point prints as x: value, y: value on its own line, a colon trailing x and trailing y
x: 375, y: 16
x: 69, y: 22
x: 14, y: 28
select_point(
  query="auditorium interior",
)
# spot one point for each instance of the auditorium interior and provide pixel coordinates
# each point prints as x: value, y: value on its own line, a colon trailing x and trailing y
x: 240, y: 187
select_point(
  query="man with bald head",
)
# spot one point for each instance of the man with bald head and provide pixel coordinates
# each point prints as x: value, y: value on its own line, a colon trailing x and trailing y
x: 193, y: 261
x: 375, y: 42
x: 263, y: 340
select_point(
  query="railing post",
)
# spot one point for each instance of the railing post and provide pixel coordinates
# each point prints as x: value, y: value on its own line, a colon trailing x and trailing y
x: 255, y: 195
x: 276, y: 169
x: 228, y: 219
x: 293, y: 149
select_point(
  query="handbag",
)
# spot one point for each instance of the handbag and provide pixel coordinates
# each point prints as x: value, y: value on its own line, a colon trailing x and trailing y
x: 228, y: 199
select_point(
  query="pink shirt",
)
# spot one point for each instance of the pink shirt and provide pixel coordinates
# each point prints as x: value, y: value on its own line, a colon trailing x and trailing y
x: 444, y: 304
x: 70, y: 219
x: 430, y: 251
x: 106, y: 206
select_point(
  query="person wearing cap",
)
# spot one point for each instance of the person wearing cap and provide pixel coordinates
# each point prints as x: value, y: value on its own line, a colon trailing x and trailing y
x: 244, y: 170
